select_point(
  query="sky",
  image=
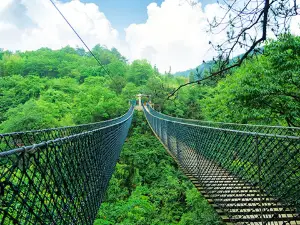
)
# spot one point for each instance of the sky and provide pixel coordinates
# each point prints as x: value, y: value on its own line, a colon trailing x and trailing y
x: 122, y: 13
x: 168, y: 33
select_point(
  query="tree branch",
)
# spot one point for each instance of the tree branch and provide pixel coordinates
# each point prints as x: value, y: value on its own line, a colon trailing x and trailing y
x: 220, y: 71
x: 255, y: 43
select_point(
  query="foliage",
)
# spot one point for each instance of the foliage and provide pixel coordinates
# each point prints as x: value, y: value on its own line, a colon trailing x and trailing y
x: 264, y: 90
x: 47, y: 88
x: 140, y: 71
x: 148, y: 188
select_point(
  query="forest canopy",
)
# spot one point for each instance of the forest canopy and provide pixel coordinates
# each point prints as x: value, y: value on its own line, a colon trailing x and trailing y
x: 50, y: 88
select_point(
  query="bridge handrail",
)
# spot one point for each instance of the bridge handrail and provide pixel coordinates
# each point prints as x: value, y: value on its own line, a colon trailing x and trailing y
x: 62, y: 180
x: 66, y: 127
x: 290, y: 131
x: 170, y: 119
x: 265, y: 164
x: 29, y: 148
x: 10, y: 140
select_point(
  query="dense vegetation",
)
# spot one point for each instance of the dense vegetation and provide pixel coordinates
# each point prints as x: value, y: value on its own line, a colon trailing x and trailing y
x: 47, y: 88
x: 264, y: 90
x: 148, y: 188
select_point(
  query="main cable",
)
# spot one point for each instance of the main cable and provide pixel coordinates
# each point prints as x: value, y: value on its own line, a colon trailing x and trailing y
x: 101, y: 65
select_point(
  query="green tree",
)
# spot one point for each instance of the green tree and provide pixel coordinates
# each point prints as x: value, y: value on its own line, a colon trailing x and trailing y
x: 11, y: 64
x: 34, y: 115
x: 117, y: 84
x: 139, y: 72
x: 264, y: 90
x: 147, y: 187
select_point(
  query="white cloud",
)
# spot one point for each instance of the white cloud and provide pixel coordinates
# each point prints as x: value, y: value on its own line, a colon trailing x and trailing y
x: 295, y: 25
x: 173, y: 35
x: 31, y: 24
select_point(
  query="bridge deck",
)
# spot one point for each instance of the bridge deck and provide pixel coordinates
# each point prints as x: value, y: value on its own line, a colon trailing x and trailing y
x: 236, y: 200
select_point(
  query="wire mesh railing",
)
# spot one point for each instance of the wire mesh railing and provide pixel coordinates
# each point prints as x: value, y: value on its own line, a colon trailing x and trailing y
x: 280, y: 130
x: 254, y: 178
x: 19, y: 139
x: 63, y: 179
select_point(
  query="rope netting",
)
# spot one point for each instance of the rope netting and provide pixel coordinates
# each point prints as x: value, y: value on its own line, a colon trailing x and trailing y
x: 18, y: 139
x: 60, y: 175
x: 292, y: 131
x: 252, y: 177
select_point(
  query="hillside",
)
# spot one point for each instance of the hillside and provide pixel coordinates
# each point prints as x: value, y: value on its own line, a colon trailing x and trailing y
x: 206, y: 66
x: 47, y: 88
x: 201, y: 69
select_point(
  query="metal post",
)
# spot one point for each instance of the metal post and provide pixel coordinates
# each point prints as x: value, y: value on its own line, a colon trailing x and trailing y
x: 178, y: 151
x: 140, y: 100
x: 168, y: 137
x: 259, y: 177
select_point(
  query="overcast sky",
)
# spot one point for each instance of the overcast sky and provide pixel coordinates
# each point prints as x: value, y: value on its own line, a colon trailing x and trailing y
x: 165, y: 32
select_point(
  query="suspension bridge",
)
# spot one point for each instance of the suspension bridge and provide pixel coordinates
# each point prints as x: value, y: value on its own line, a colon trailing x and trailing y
x: 250, y: 174
x: 59, y: 176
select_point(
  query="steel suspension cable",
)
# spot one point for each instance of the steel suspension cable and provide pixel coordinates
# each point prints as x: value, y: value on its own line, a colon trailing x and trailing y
x: 83, y: 42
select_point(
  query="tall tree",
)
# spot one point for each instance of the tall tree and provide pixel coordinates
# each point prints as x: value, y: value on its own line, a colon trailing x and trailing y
x: 265, y: 90
x: 140, y: 71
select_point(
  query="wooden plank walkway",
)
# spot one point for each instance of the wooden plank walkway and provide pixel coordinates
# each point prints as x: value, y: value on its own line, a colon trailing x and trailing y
x: 235, y: 200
